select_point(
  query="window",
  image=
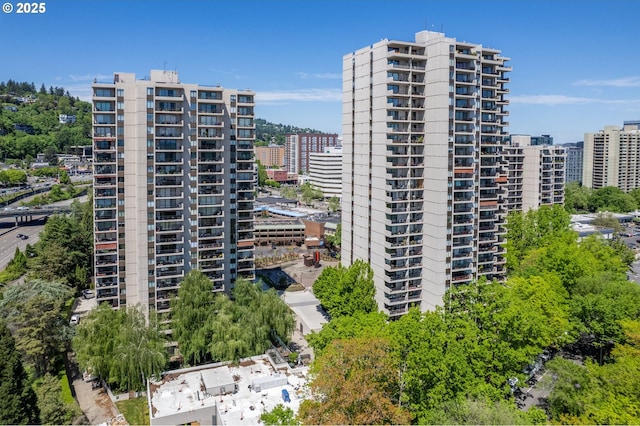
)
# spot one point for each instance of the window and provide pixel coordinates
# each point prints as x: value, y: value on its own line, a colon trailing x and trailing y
x: 149, y: 104
x: 105, y: 93
x: 120, y: 92
x: 149, y: 91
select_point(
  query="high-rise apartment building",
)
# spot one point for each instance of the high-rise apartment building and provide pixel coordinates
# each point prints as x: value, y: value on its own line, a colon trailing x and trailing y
x: 325, y: 171
x: 536, y: 174
x: 299, y: 146
x: 424, y: 180
x: 173, y: 187
x: 573, y: 172
x: 612, y: 158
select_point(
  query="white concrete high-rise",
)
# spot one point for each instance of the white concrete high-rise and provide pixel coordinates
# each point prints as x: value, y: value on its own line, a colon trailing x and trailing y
x: 173, y: 187
x: 424, y: 179
x: 536, y: 174
x: 325, y: 171
x: 611, y: 157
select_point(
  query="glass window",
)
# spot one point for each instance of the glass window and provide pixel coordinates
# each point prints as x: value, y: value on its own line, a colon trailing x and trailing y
x: 149, y: 91
x: 120, y: 92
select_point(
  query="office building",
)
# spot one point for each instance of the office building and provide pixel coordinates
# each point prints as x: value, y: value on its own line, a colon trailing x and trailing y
x: 612, y: 158
x: 270, y: 156
x: 299, y: 146
x: 573, y: 172
x: 536, y: 174
x: 173, y: 187
x: 325, y: 171
x: 424, y: 179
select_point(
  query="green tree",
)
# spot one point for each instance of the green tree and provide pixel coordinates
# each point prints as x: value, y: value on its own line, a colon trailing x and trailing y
x: 345, y: 291
x: 19, y: 402
x: 118, y: 346
x: 611, y: 199
x: 360, y: 324
x: 607, y: 220
x: 279, y: 416
x: 262, y: 173
x: 354, y: 382
x: 576, y: 197
x: 53, y: 409
x: 191, y: 314
x: 34, y: 308
x: 334, y: 204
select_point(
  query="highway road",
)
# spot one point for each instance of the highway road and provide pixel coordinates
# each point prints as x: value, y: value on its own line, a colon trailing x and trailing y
x: 9, y: 233
x: 9, y: 240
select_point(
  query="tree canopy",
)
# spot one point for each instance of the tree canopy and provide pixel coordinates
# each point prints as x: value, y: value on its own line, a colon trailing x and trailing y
x: 210, y: 326
x: 346, y: 290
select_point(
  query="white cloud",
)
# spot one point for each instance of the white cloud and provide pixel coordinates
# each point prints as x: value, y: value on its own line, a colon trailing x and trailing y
x: 327, y: 75
x: 306, y: 95
x: 616, y: 82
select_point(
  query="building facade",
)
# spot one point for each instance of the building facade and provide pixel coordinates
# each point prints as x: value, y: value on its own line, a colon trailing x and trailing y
x: 574, y: 166
x: 424, y: 178
x: 325, y: 171
x: 536, y: 174
x: 270, y: 156
x: 173, y: 187
x: 299, y: 146
x: 612, y: 158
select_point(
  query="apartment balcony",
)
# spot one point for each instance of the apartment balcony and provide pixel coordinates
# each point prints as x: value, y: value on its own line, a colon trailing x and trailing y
x: 168, y: 132
x: 210, y: 157
x: 106, y: 271
x: 107, y: 293
x: 169, y: 106
x: 102, y: 282
x: 169, y: 145
x: 169, y: 227
x: 169, y: 271
x: 105, y: 215
x: 162, y: 193
x: 168, y: 170
x: 103, y: 226
x: 173, y: 239
x: 209, y: 145
x: 168, y: 181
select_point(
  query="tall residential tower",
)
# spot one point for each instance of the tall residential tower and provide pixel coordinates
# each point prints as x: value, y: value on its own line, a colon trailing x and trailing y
x: 424, y: 179
x: 173, y: 187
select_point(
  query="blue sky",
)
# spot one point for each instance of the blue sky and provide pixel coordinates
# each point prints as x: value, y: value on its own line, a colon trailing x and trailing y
x: 576, y: 66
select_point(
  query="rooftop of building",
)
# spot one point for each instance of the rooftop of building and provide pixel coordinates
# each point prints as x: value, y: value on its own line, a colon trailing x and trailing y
x: 251, y: 387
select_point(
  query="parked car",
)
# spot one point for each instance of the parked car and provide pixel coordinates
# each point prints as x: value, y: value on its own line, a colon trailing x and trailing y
x: 87, y: 294
x: 24, y: 237
x: 75, y: 319
x: 19, y: 236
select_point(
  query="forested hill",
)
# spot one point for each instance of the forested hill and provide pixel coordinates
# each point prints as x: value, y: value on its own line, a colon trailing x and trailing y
x: 30, y: 124
x: 266, y: 131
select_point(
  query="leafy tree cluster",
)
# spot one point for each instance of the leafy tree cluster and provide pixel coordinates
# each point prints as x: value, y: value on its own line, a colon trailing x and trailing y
x: 451, y: 365
x: 18, y: 400
x: 210, y: 326
x: 34, y: 311
x: 64, y: 250
x: 13, y: 177
x: 15, y: 268
x: 120, y: 347
x: 610, y: 199
x: 599, y: 394
x: 344, y: 291
x: 267, y: 131
x: 42, y: 114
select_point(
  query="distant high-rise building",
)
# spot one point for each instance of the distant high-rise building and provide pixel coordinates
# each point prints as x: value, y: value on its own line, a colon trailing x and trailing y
x: 612, y: 158
x: 299, y: 146
x: 536, y: 174
x: 424, y: 179
x: 270, y: 156
x: 574, y: 165
x: 541, y: 140
x: 173, y: 187
x: 325, y: 171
